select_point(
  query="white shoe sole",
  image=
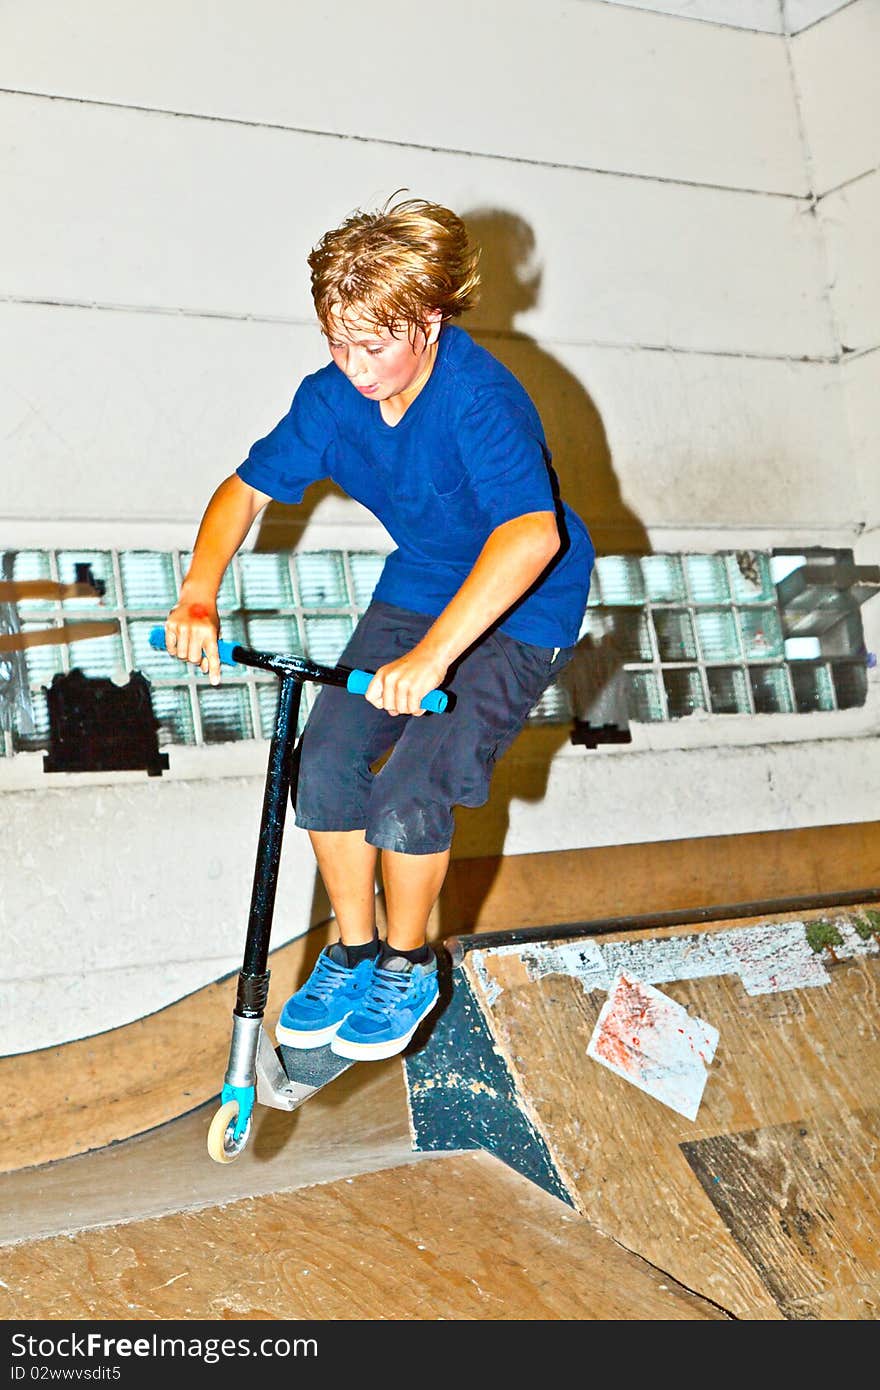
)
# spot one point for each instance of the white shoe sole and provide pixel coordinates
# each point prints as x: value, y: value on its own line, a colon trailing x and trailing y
x: 376, y: 1052
x: 318, y: 1037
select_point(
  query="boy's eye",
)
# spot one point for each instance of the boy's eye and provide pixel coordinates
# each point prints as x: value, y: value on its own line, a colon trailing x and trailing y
x: 374, y: 352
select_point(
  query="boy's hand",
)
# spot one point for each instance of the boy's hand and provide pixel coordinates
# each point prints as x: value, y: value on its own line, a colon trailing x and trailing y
x: 191, y: 631
x: 400, y: 687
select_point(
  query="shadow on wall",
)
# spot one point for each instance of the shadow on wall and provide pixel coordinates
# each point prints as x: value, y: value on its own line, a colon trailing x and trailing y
x: 511, y: 282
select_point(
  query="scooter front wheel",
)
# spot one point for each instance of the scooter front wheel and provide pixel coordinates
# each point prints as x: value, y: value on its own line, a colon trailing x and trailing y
x: 223, y: 1146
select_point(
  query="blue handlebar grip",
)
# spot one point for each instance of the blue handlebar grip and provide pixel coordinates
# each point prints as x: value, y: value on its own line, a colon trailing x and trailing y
x: 225, y: 650
x: 157, y: 640
x: 435, y: 701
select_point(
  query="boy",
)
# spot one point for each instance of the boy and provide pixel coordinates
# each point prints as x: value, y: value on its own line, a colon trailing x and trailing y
x: 483, y: 596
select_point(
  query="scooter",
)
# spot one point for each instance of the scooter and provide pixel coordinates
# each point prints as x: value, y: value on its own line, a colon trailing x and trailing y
x: 282, y: 1078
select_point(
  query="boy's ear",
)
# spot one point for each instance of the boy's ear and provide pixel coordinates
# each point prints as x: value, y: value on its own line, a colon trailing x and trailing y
x: 433, y: 324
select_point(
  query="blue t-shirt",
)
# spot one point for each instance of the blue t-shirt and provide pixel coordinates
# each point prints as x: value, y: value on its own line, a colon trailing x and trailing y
x: 468, y: 454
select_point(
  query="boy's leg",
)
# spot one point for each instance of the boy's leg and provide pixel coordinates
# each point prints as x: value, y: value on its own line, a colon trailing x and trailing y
x: 439, y: 762
x: 343, y: 738
x: 404, y: 987
x: 412, y: 886
x: 343, y: 971
x: 347, y: 865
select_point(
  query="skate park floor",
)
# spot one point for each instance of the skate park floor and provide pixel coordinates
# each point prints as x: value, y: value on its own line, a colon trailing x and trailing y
x: 327, y: 1214
x: 396, y: 1192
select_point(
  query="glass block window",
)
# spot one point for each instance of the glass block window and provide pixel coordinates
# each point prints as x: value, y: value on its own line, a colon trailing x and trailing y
x: 771, y: 690
x: 684, y: 691
x: 676, y: 636
x: 306, y: 603
x: 706, y: 633
x: 666, y: 637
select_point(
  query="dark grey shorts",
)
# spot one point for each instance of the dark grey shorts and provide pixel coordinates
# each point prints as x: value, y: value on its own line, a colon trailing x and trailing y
x: 438, y: 760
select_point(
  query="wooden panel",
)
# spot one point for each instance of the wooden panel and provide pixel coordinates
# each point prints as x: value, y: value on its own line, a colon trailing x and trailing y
x: 804, y: 1204
x: 536, y: 890
x: 783, y: 1058
x: 453, y: 1238
x: 358, y: 1125
x: 108, y: 1087
x: 86, y: 1094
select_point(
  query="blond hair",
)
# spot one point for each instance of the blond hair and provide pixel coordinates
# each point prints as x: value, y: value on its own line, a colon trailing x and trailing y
x: 395, y: 266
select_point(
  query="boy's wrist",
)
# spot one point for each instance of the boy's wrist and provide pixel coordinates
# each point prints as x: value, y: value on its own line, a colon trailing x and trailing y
x: 437, y: 651
x: 193, y: 592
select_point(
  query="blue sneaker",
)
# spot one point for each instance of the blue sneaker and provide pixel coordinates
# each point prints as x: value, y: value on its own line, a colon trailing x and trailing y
x: 311, y: 1017
x: 398, y: 997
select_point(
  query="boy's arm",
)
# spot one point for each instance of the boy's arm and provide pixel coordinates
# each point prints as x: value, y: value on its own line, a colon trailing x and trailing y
x: 193, y: 624
x: 514, y: 556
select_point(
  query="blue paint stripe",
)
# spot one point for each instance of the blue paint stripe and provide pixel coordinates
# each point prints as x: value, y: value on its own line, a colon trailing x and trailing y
x: 462, y: 1095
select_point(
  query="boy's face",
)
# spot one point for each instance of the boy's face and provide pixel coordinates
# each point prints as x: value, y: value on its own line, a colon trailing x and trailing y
x: 380, y: 364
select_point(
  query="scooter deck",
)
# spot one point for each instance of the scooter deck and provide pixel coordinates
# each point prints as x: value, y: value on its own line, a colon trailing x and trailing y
x: 288, y: 1076
x: 313, y: 1066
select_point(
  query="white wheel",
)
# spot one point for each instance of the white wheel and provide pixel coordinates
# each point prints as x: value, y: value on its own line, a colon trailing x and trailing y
x: 223, y: 1147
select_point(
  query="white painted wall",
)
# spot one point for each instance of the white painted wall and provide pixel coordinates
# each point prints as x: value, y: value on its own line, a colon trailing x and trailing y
x: 850, y: 220
x: 834, y: 66
x: 742, y: 14
x: 657, y: 163
x: 580, y: 82
x: 861, y: 378
x: 801, y: 14
x: 163, y: 173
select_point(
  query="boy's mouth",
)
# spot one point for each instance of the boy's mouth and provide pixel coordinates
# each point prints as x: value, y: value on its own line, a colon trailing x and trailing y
x: 368, y: 390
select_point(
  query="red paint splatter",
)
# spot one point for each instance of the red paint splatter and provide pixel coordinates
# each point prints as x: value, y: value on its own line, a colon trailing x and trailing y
x: 631, y: 1012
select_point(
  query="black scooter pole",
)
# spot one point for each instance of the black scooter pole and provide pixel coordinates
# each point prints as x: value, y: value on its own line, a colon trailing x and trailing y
x: 282, y: 769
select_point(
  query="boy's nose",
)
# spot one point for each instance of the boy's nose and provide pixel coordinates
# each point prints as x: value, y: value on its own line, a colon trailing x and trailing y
x: 354, y: 365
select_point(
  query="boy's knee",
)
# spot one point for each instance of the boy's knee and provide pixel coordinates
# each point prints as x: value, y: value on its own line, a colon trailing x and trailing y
x: 409, y: 825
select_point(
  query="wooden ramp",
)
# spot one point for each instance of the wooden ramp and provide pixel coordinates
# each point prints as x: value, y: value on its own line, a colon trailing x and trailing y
x: 99, y: 1090
x: 739, y: 1182
x: 707, y: 1095
x: 327, y: 1214
x: 460, y: 1238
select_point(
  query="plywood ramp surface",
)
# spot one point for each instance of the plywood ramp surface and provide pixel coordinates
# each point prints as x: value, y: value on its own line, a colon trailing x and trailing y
x: 360, y: 1124
x: 509, y: 892
x: 86, y: 1094
x: 458, y: 1237
x: 769, y: 1201
x: 99, y: 1090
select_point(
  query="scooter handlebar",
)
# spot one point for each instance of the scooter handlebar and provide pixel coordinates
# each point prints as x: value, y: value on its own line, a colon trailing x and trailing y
x: 435, y: 701
x: 157, y: 640
x: 357, y: 681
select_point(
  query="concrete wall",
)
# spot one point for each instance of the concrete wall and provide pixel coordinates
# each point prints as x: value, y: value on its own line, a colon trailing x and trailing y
x: 802, y: 14
x: 834, y: 65
x: 168, y: 174
x: 660, y: 271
